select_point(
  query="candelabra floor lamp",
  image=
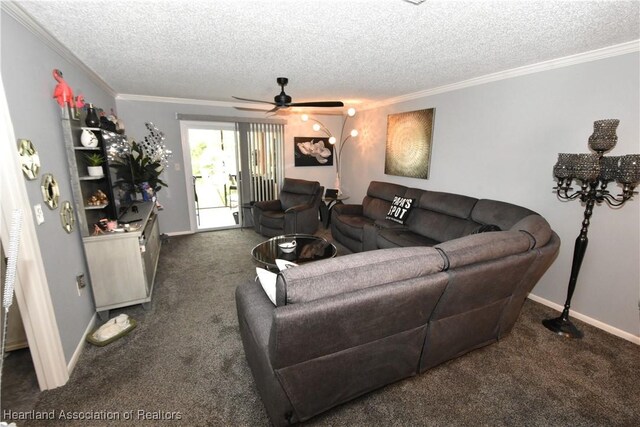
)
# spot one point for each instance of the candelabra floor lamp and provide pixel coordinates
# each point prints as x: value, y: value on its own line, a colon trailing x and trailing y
x: 595, y: 172
x: 339, y: 144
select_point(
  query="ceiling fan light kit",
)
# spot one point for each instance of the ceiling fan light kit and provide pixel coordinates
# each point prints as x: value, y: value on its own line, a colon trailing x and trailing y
x: 283, y: 100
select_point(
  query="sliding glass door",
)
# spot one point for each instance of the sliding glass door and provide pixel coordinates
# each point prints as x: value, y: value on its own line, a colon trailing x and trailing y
x: 228, y: 167
x: 211, y: 166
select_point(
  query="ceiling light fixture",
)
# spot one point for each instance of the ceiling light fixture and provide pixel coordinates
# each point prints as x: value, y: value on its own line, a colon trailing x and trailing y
x: 416, y: 2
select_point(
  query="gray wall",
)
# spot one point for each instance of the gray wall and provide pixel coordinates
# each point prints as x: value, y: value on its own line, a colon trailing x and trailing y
x: 26, y: 72
x: 500, y: 140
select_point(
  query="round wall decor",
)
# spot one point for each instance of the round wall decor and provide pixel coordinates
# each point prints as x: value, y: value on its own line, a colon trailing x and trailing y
x: 29, y: 159
x: 50, y: 191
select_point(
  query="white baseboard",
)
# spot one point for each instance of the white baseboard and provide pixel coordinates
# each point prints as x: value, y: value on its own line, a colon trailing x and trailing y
x: 76, y: 354
x: 179, y: 233
x: 586, y: 319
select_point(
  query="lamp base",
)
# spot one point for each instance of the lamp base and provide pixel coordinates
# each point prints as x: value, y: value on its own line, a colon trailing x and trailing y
x: 562, y: 326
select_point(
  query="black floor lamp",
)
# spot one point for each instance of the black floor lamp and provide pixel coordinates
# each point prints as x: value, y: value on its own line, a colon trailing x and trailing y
x: 594, y: 171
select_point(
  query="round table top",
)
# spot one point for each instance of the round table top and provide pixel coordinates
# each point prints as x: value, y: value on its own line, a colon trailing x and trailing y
x: 308, y: 248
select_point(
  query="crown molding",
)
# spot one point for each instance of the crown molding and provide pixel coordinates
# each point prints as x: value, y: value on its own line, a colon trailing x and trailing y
x: 20, y: 15
x: 169, y: 100
x: 594, y: 55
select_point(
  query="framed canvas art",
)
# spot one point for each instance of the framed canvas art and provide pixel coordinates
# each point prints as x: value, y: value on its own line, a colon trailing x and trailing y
x: 312, y: 151
x: 409, y: 137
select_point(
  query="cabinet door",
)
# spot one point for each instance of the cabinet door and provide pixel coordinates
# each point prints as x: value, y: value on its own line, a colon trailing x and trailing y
x: 152, y: 250
x: 117, y: 274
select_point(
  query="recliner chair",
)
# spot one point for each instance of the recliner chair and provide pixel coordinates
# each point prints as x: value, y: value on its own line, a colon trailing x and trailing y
x: 295, y: 212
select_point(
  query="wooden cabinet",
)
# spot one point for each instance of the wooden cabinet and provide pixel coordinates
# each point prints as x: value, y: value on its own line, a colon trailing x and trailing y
x: 122, y: 264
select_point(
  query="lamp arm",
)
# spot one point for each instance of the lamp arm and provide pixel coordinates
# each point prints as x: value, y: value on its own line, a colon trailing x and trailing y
x: 323, y: 128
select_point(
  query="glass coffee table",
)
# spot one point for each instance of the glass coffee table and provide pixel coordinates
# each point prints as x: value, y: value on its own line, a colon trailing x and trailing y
x: 308, y: 248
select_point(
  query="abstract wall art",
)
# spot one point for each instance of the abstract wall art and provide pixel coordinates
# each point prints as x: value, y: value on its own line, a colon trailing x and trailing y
x: 409, y: 138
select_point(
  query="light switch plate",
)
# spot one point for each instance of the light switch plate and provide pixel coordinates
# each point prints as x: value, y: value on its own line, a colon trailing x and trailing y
x: 37, y: 210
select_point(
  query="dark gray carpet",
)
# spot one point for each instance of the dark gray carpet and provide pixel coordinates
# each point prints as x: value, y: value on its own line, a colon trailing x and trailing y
x: 19, y: 382
x: 186, y: 356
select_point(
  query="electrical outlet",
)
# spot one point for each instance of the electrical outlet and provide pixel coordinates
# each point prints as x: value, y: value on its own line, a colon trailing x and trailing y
x: 37, y: 209
x: 80, y: 283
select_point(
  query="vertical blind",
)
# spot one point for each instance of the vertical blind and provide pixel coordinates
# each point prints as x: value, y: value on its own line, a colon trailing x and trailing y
x: 266, y: 141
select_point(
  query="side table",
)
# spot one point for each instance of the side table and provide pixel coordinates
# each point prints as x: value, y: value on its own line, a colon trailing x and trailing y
x: 327, y: 205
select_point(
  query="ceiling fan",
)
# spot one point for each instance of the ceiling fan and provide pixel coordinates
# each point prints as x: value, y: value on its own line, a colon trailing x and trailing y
x: 284, y: 101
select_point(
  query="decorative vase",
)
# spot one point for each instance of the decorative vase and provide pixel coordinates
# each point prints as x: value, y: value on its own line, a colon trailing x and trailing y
x: 92, y: 119
x: 147, y: 192
x: 88, y: 138
x: 95, y: 171
x: 336, y: 184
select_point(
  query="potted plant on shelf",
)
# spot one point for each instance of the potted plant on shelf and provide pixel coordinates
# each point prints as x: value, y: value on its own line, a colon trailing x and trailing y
x: 136, y: 172
x: 95, y: 161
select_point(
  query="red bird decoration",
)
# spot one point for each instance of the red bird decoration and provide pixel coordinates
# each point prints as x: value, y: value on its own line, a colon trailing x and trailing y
x: 62, y: 93
x: 80, y: 101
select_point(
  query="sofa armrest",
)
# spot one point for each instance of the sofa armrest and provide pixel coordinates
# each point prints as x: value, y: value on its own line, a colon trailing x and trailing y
x: 343, y: 209
x: 325, y: 278
x: 537, y: 227
x: 268, y: 205
x: 299, y: 208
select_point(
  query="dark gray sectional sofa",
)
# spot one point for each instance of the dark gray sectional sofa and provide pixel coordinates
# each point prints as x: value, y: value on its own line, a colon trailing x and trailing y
x: 348, y: 325
x: 436, y: 217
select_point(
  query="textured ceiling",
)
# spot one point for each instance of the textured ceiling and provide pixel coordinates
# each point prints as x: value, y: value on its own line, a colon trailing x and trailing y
x: 357, y: 51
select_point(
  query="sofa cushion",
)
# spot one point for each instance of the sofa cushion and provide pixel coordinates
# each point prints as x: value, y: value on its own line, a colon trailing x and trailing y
x: 454, y: 205
x: 504, y: 215
x: 438, y: 226
x: 377, y: 202
x: 339, y: 275
x: 400, y: 209
x: 477, y: 248
x: 385, y: 190
x: 297, y: 192
x: 393, y: 238
x: 272, y: 219
x: 486, y: 228
x: 351, y: 225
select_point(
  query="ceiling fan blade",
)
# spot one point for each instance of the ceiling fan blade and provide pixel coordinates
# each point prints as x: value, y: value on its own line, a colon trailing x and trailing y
x: 250, y: 109
x: 253, y: 100
x: 274, y: 109
x: 317, y: 104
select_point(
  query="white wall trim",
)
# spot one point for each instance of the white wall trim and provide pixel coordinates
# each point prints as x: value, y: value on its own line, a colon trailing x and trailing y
x: 594, y: 55
x: 188, y: 101
x: 32, y: 288
x: 586, y: 319
x: 179, y: 233
x: 20, y: 15
x: 188, y: 172
x: 81, y: 345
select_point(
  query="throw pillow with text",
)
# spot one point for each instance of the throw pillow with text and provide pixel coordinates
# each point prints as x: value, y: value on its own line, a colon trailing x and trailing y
x: 400, y: 209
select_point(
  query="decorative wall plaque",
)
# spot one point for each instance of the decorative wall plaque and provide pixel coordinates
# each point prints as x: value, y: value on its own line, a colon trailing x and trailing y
x: 50, y: 191
x: 29, y: 159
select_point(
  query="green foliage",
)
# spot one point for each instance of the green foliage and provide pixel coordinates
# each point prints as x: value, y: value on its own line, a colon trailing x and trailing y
x: 94, y: 159
x: 136, y: 168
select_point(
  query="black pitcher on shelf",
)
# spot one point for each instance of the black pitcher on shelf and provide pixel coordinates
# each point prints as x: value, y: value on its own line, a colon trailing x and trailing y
x: 92, y: 120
